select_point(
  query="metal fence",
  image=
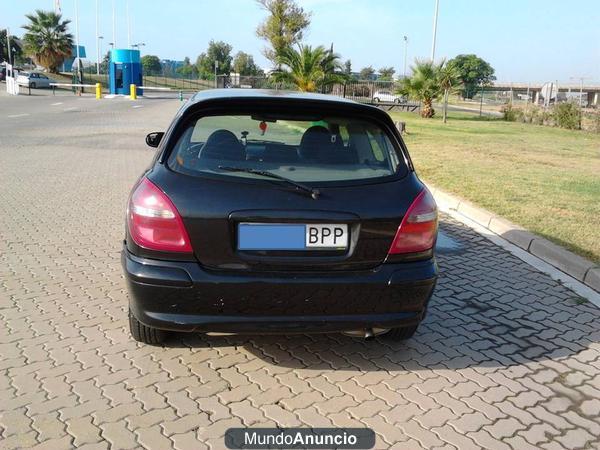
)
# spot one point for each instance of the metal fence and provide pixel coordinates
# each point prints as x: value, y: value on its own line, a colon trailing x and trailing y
x: 170, y: 79
x: 381, y: 93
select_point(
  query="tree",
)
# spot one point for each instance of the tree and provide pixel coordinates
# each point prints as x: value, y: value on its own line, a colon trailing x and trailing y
x: 309, y: 68
x: 284, y: 26
x: 423, y: 84
x: 348, y: 67
x: 105, y: 62
x: 217, y: 51
x: 243, y: 63
x: 386, y: 73
x: 473, y: 72
x: 151, y: 64
x: 448, y: 77
x: 15, y: 49
x: 367, y: 73
x: 187, y: 69
x: 47, y: 40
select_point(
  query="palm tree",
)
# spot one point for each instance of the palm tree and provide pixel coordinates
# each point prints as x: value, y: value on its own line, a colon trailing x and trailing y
x: 448, y: 78
x: 309, y: 68
x: 47, y: 40
x: 424, y: 85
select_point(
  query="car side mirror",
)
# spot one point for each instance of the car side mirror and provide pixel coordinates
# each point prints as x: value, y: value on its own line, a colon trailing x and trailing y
x: 153, y: 139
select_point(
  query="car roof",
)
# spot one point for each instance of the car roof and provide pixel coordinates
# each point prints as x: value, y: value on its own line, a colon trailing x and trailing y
x: 233, y: 93
x: 229, y: 96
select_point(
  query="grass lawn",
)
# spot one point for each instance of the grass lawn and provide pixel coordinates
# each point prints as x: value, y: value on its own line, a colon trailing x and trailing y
x: 544, y: 179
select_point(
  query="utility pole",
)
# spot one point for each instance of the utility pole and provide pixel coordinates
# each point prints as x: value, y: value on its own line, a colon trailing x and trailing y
x: 405, y: 53
x: 435, y: 18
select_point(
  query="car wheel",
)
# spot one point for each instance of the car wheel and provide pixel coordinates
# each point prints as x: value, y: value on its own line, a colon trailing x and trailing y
x: 376, y: 100
x: 401, y: 334
x: 32, y: 85
x: 145, y: 334
x: 397, y: 100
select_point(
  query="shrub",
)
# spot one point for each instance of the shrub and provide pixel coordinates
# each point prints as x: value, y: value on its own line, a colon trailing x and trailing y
x: 547, y: 118
x: 533, y: 114
x: 510, y: 113
x: 591, y: 122
x: 567, y: 115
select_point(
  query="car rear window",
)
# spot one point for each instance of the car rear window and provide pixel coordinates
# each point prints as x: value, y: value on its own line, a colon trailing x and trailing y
x: 303, y: 149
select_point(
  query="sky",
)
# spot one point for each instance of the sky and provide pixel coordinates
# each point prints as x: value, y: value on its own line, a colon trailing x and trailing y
x: 524, y: 40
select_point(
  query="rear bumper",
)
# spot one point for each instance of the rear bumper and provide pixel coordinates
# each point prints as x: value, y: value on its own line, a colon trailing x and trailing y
x: 182, y: 296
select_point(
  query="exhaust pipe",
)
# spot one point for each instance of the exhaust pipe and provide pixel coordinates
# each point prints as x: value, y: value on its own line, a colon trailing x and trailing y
x: 366, y: 333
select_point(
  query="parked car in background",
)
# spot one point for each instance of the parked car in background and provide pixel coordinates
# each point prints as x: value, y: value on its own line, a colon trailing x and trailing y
x: 386, y: 97
x: 271, y: 212
x: 34, y: 80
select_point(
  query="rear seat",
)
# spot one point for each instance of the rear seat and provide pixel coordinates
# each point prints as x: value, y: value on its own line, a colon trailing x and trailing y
x: 280, y: 153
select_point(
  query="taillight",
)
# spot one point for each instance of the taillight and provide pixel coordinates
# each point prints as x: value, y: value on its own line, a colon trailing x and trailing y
x: 154, y: 222
x: 418, y: 230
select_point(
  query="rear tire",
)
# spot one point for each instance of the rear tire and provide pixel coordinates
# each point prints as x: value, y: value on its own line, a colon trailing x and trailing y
x: 32, y: 85
x: 401, y: 334
x: 145, y: 334
x: 376, y: 100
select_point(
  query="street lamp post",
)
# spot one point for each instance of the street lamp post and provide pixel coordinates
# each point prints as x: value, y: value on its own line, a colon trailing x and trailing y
x: 580, y: 88
x: 435, y: 18
x: 216, y: 65
x: 99, y: 47
x: 97, y: 40
x: 138, y: 45
x: 114, y: 25
x: 10, y: 61
x: 481, y: 102
x: 112, y: 47
x: 128, y: 24
x: 405, y: 53
x: 79, y: 74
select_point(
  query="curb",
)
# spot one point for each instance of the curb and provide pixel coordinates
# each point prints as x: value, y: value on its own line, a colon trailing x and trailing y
x: 574, y: 265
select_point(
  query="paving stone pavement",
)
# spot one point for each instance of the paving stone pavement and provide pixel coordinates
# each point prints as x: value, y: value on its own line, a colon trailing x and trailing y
x: 506, y: 359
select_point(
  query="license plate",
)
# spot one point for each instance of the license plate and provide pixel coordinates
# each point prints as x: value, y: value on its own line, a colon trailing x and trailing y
x: 291, y: 236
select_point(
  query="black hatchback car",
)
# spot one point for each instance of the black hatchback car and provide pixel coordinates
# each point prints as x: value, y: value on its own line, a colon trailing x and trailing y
x: 272, y: 212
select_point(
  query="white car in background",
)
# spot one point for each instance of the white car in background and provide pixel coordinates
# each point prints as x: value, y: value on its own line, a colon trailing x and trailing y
x: 34, y: 80
x: 386, y: 97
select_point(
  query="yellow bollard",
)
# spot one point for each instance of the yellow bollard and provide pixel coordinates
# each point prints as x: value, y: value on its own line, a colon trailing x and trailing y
x: 98, y: 91
x: 132, y: 92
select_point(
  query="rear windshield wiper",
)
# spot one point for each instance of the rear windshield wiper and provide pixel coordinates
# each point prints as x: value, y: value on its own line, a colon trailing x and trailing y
x: 314, y: 193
